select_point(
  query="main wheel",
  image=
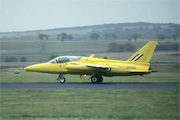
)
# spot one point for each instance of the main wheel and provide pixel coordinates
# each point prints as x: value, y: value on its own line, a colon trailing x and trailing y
x: 62, y: 80
x: 96, y: 79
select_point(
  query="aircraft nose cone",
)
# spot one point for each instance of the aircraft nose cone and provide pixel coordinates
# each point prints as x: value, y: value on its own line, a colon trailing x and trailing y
x: 37, y: 67
x: 30, y: 68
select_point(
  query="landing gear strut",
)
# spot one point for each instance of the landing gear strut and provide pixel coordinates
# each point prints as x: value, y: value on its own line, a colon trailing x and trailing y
x: 96, y: 79
x: 61, y: 78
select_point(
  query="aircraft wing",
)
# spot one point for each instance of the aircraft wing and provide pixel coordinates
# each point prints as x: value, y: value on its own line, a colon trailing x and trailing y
x: 95, y: 65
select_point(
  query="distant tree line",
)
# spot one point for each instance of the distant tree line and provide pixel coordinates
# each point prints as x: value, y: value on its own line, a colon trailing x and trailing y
x: 63, y: 36
x: 14, y: 59
x: 119, y: 31
x: 109, y: 36
x: 138, y: 30
x: 94, y: 36
x: 42, y: 36
x: 115, y: 47
x: 167, y: 47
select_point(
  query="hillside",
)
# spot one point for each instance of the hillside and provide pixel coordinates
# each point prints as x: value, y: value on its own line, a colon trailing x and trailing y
x: 118, y: 31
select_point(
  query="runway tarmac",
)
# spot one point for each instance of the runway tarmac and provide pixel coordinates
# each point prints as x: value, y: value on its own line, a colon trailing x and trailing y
x: 103, y: 86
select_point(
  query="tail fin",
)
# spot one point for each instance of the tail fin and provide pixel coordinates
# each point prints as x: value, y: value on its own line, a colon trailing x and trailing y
x: 145, y: 53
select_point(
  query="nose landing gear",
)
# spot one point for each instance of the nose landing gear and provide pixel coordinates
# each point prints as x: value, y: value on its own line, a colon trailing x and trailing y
x: 61, y: 78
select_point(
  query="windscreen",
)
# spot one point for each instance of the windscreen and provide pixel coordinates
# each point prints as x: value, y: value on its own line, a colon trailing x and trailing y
x: 63, y: 59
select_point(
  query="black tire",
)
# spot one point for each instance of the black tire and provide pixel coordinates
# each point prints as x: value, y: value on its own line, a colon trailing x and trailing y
x: 100, y: 79
x: 62, y: 80
x: 96, y: 79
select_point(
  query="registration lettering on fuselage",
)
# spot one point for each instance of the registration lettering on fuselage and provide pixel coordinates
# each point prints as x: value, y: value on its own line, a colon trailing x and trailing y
x: 130, y: 67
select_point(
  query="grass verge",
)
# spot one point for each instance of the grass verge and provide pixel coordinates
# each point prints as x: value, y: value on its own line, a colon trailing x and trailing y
x: 90, y: 104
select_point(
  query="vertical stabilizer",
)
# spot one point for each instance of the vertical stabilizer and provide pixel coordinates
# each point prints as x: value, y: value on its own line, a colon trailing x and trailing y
x: 145, y: 53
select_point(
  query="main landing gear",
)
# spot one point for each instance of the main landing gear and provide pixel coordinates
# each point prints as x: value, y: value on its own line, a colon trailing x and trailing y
x: 61, y: 78
x: 96, y: 79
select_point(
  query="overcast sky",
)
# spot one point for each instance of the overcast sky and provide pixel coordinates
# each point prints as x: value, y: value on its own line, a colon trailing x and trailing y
x: 23, y: 15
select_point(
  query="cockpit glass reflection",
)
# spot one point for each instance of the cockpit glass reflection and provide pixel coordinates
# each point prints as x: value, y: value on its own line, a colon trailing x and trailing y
x: 63, y: 59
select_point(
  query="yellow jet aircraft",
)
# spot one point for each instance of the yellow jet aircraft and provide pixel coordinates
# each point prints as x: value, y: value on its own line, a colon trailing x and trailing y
x: 138, y: 64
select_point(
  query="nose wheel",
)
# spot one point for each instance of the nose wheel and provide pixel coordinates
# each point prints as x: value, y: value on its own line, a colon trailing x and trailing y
x: 61, y: 79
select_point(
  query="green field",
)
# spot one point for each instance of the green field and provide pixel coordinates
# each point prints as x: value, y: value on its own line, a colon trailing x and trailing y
x: 90, y: 104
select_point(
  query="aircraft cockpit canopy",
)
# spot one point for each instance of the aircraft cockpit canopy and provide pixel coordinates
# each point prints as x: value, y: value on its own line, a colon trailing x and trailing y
x: 63, y: 59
